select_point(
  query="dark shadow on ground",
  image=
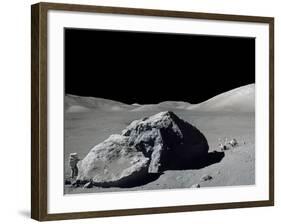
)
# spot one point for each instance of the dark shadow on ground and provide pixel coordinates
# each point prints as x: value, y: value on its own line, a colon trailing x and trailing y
x: 133, y: 182
x: 144, y: 177
x: 127, y: 182
x: 198, y: 163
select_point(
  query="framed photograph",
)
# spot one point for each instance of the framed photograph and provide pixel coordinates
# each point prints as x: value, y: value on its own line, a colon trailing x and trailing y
x: 141, y: 111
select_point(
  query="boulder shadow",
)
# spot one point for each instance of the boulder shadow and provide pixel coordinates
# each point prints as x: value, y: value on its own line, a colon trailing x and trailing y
x: 144, y: 177
x: 130, y: 182
x: 198, y: 162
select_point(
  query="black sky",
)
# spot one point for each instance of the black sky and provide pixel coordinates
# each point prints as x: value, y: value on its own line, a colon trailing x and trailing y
x: 149, y: 67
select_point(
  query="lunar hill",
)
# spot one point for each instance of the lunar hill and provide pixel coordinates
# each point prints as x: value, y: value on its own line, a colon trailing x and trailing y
x: 75, y: 103
x: 241, y: 99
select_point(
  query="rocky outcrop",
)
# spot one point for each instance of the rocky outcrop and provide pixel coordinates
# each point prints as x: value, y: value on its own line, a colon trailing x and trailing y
x: 149, y: 145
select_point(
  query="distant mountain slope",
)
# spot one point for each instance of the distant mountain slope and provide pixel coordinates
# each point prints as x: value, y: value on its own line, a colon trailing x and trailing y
x: 82, y: 104
x: 146, y: 107
x: 241, y: 99
x: 174, y: 104
x: 166, y: 105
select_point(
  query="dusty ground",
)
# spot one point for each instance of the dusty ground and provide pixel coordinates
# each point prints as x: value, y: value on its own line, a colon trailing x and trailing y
x: 83, y: 130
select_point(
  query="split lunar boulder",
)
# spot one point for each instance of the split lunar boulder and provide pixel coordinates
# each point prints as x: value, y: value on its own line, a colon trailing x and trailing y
x: 149, y: 145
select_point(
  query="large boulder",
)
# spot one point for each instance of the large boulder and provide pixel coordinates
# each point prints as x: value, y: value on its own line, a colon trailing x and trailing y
x: 149, y: 145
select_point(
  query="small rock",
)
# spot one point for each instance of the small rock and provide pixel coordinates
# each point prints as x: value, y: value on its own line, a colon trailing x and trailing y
x: 88, y: 185
x: 223, y: 147
x: 206, y: 177
x: 233, y: 142
x: 195, y: 186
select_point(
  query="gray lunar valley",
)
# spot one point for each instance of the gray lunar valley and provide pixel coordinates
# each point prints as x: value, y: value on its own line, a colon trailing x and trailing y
x: 160, y: 146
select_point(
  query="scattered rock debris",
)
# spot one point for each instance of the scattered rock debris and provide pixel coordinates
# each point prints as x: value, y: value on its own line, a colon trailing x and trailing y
x: 233, y: 142
x: 223, y: 147
x: 226, y: 145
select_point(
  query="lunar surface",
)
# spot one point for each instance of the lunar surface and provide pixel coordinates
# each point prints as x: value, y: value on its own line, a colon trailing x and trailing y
x: 227, y: 121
